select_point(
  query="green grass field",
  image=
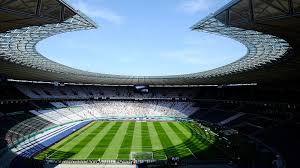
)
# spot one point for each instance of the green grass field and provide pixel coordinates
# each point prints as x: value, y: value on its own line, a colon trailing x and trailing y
x: 117, y: 139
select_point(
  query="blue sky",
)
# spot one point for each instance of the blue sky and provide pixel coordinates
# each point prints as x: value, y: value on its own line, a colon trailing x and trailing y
x: 143, y: 37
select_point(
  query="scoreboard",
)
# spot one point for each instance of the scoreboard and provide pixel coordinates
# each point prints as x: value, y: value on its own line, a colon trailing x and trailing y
x: 141, y: 88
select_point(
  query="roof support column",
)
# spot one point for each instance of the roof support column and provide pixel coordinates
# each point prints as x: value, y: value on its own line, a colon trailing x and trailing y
x: 38, y: 8
x: 251, y: 11
x: 291, y: 7
x: 227, y: 18
x: 62, y: 13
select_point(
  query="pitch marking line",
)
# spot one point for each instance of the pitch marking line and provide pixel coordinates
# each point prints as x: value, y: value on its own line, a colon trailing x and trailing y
x: 76, y: 132
x: 192, y: 153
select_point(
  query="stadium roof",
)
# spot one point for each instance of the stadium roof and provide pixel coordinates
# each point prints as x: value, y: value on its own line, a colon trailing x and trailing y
x: 268, y: 28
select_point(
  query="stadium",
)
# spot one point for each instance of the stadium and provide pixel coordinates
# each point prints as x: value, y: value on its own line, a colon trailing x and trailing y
x: 243, y: 114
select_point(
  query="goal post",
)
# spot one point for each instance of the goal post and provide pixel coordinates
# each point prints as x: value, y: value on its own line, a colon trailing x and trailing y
x: 141, y: 156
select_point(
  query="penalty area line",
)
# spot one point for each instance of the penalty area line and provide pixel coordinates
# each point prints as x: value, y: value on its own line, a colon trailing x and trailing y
x: 192, y: 153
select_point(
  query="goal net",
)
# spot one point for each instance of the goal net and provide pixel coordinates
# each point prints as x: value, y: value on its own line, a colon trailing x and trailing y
x: 141, y: 155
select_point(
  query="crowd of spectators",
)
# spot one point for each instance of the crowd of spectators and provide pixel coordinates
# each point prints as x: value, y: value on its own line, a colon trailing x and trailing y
x: 81, y: 110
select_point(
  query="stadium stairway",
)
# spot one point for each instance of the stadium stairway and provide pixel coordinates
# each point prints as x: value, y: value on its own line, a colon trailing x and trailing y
x: 236, y: 116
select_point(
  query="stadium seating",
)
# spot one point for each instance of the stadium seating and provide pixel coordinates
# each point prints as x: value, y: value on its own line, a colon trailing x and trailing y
x: 18, y: 125
x: 15, y: 127
x: 82, y: 110
x: 35, y: 144
x: 84, y: 92
x: 31, y: 143
x: 10, y: 92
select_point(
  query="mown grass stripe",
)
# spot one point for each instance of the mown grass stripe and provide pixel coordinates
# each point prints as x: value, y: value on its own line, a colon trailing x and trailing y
x: 73, y: 135
x: 124, y: 150
x: 67, y: 151
x: 179, y: 133
x: 100, y: 148
x: 137, y: 140
x: 157, y: 147
x: 57, y: 146
x: 88, y: 148
x: 146, y: 141
x: 177, y: 140
x: 205, y: 149
x: 201, y: 135
x: 192, y: 143
x: 169, y: 150
x: 112, y: 149
x: 87, y: 137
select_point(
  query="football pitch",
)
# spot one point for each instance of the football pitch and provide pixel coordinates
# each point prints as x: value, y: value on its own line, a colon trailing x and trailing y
x: 126, y: 140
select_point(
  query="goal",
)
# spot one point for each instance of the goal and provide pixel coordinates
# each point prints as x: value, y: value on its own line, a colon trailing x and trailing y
x: 141, y: 155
